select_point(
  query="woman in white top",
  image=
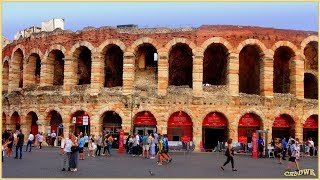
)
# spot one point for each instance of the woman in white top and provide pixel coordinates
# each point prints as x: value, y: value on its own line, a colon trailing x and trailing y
x: 40, y: 140
x: 297, y: 149
x: 92, y: 146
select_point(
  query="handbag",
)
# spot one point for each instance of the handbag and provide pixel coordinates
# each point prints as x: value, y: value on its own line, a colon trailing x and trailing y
x: 74, y: 149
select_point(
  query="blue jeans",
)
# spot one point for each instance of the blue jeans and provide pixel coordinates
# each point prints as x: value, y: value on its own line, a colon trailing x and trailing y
x: 29, y: 143
x: 17, y: 148
x: 109, y: 148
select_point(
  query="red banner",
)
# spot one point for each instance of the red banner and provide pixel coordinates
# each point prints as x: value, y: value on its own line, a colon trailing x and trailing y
x: 311, y: 122
x: 281, y: 122
x: 180, y: 118
x: 120, y: 150
x: 145, y: 118
x: 254, y: 146
x: 249, y: 120
x: 214, y: 119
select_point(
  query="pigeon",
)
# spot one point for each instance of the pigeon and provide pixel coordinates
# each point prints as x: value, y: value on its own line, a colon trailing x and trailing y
x: 151, y: 173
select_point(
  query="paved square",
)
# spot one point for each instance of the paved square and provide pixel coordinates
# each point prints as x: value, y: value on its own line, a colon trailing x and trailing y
x: 47, y: 163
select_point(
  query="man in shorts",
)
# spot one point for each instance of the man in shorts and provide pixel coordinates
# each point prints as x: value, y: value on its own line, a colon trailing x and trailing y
x: 146, y: 146
x: 293, y: 155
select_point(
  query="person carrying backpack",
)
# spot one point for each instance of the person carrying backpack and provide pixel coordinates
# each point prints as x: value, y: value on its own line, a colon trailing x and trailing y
x: 166, y: 148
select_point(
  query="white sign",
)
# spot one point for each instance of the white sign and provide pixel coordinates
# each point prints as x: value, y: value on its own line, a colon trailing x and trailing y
x: 85, y: 120
x: 74, y: 119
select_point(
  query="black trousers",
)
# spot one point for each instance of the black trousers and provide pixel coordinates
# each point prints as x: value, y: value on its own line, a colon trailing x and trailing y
x: 284, y: 152
x: 98, y: 149
x: 229, y: 158
x: 104, y: 149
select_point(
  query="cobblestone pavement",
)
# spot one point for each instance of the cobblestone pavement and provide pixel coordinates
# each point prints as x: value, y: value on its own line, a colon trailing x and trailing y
x: 47, y: 163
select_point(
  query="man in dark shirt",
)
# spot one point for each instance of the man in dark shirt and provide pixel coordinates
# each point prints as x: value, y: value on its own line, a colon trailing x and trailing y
x: 20, y: 139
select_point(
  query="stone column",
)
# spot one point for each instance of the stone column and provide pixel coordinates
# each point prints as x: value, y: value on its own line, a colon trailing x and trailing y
x: 233, y: 130
x: 97, y: 73
x: 128, y: 72
x: 299, y: 131
x: 47, y: 70
x: 14, y: 74
x: 197, y: 75
x: 28, y: 71
x: 163, y: 73
x: 197, y: 136
x: 70, y: 74
x: 233, y: 74
x: 297, y: 77
x: 266, y: 77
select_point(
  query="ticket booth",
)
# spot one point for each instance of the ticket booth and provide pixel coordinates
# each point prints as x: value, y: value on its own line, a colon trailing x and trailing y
x: 145, y: 122
x: 248, y: 124
x: 81, y: 121
x: 310, y: 129
x: 214, y: 129
x: 179, y: 124
x: 283, y: 126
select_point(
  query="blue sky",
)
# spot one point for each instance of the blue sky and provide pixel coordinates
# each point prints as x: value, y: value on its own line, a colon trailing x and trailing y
x: 286, y: 15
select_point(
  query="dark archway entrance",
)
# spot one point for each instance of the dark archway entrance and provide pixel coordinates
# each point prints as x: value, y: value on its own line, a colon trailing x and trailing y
x: 113, y: 68
x: 248, y: 124
x: 310, y: 129
x: 179, y: 125
x: 112, y: 124
x: 82, y: 122
x: 283, y: 127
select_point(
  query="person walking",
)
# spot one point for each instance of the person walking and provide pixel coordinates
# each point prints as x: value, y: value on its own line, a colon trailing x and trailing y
x: 67, y: 152
x: 86, y: 141
x: 99, y: 145
x: 19, y: 144
x: 284, y: 145
x: 40, y: 140
x: 155, y: 134
x: 278, y: 150
x: 229, y: 154
x: 166, y: 148
x: 30, y: 139
x: 81, y: 146
x: 110, y: 142
x: 145, y: 146
x: 311, y: 147
x: 36, y: 143
x: 73, y: 163
x: 260, y: 147
x: 9, y: 146
x: 293, y: 155
x: 62, y: 140
x: 53, y: 137
x: 152, y: 146
x: 297, y: 149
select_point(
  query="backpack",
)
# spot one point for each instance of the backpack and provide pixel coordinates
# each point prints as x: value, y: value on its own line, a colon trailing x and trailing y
x: 140, y: 139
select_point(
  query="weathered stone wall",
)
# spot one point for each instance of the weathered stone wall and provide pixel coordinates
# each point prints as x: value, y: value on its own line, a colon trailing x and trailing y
x: 157, y: 96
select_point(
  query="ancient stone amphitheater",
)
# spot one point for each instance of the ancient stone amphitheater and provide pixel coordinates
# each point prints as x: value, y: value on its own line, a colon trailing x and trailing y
x: 205, y: 84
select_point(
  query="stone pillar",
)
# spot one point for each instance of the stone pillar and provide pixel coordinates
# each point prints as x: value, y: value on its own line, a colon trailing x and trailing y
x: 266, y: 77
x: 297, y: 77
x: 197, y: 136
x: 299, y: 131
x: 47, y: 70
x: 28, y: 71
x: 97, y: 73
x: 14, y: 74
x: 128, y: 72
x: 233, y: 130
x: 70, y: 74
x: 233, y: 74
x: 163, y: 73
x: 197, y: 75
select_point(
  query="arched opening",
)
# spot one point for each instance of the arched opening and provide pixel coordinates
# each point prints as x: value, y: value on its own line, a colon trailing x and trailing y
x: 281, y: 69
x: 16, y: 70
x: 248, y: 124
x: 180, y: 65
x: 5, y: 76
x: 113, y: 68
x: 215, y: 65
x: 112, y: 124
x: 31, y: 120
x: 310, y: 129
x: 145, y: 122
x: 80, y: 123
x: 55, y: 120
x: 179, y: 125
x: 4, y: 120
x: 310, y: 86
x: 214, y: 130
x: 311, y: 55
x: 250, y: 61
x: 33, y: 69
x: 15, y: 121
x: 55, y: 67
x: 146, y: 65
x: 83, y: 56
x: 283, y: 127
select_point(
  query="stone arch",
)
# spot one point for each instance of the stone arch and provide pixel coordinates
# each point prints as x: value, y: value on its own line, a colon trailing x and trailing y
x: 15, y: 120
x: 307, y: 40
x: 5, y: 75
x: 151, y: 110
x: 6, y: 58
x: 16, y: 69
x: 54, y: 59
x: 73, y: 51
x: 173, y: 110
x: 21, y: 47
x: 250, y: 64
x: 106, y: 43
x: 35, y: 51
x: 246, y: 42
x: 33, y: 69
x: 216, y: 111
x: 108, y: 108
x: 56, y: 47
x: 286, y: 44
x: 144, y: 40
x: 308, y: 114
x: 293, y: 115
x: 310, y: 86
x: 253, y: 111
x: 215, y: 40
x: 57, y: 109
x: 176, y: 41
x: 310, y: 54
x: 31, y: 121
